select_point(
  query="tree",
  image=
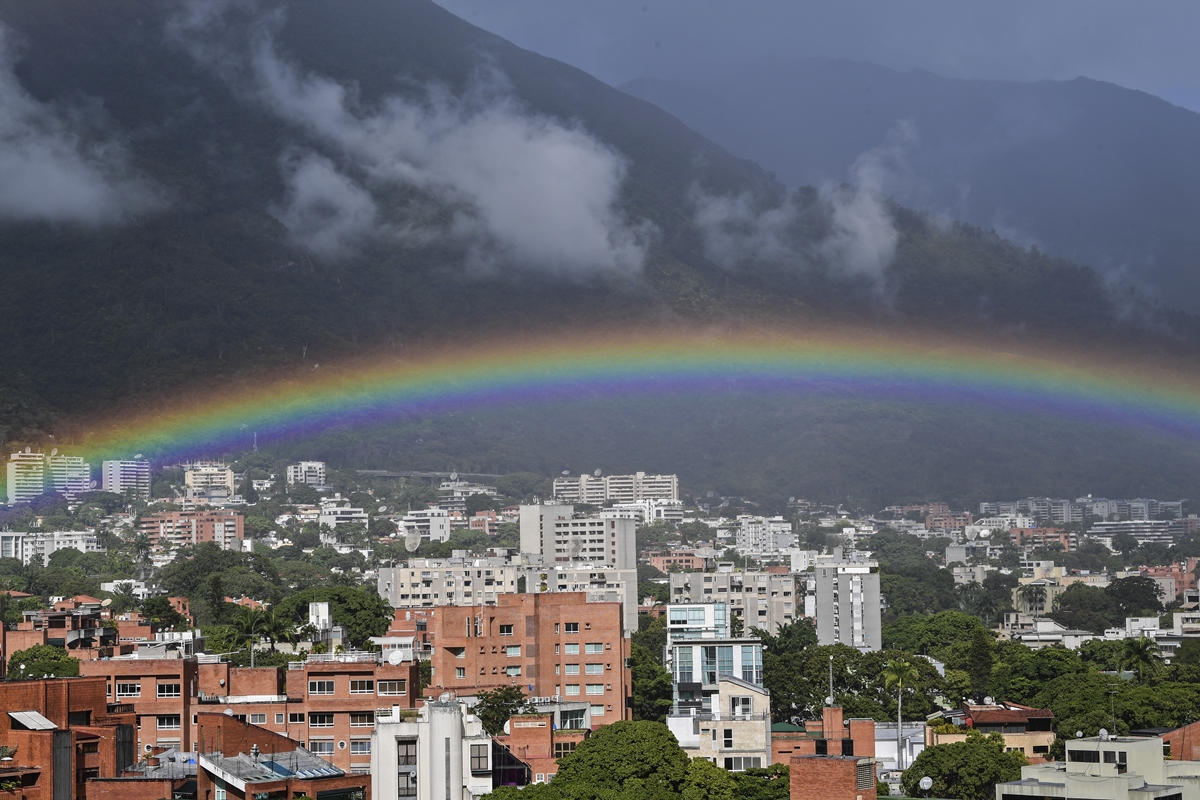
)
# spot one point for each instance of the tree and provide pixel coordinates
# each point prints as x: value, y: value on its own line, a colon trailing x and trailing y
x: 1033, y: 597
x: 496, y: 707
x: 634, y: 759
x: 652, y: 688
x: 966, y: 770
x: 479, y: 502
x: 899, y: 673
x: 979, y: 661
x: 1124, y: 542
x: 1141, y: 656
x: 706, y: 781
x: 363, y: 613
x: 1136, y: 596
x: 160, y: 610
x: 42, y: 659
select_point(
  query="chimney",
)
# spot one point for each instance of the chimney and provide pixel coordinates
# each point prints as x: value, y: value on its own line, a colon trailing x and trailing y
x: 831, y: 722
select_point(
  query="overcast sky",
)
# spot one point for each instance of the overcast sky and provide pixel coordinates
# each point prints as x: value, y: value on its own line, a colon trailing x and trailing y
x: 1147, y: 46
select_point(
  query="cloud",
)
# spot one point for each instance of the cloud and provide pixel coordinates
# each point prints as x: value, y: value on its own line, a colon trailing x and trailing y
x: 50, y: 170
x: 858, y: 236
x: 324, y: 210
x: 526, y: 189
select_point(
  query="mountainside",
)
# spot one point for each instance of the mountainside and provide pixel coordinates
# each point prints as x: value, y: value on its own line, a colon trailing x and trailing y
x: 195, y: 190
x: 1089, y: 171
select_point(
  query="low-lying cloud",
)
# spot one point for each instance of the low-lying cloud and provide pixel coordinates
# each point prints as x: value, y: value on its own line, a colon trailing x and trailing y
x: 50, y: 169
x: 525, y: 189
x: 858, y: 236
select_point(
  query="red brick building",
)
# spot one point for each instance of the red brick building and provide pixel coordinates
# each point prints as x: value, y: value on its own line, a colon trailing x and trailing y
x: 552, y: 644
x: 830, y: 735
x: 190, y: 528
x: 534, y: 740
x: 328, y: 702
x: 832, y: 778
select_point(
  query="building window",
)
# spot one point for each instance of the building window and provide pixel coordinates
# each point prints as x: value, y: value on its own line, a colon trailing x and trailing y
x: 479, y: 758
x: 743, y: 763
x: 168, y: 722
x: 406, y: 784
x: 513, y: 651
x: 258, y: 719
x: 597, y: 711
x: 296, y: 718
x: 572, y: 669
x: 728, y: 739
x: 321, y: 748
x: 219, y: 791
x: 563, y: 748
x: 512, y: 672
x: 571, y: 627
x: 320, y: 687
x: 571, y: 649
x: 320, y: 720
x: 362, y: 687
x: 168, y: 690
x: 279, y: 719
x: 460, y: 672
x: 393, y: 687
x: 595, y: 688
x: 595, y: 669
x: 365, y: 719
x: 406, y: 753
x: 360, y: 747
x: 572, y: 689
x: 594, y: 648
x: 506, y: 630
x: 129, y: 690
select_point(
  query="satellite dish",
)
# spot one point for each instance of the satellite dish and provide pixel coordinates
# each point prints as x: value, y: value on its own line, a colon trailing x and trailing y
x: 564, y: 472
x: 139, y: 455
x: 229, y: 712
x: 985, y: 533
x: 412, y: 539
x: 1103, y: 735
x: 597, y: 472
x: 27, y: 450
x: 92, y: 484
x: 453, y: 476
x: 971, y: 534
x: 987, y: 701
x: 926, y: 783
x: 106, y: 602
x: 1078, y: 734
x: 382, y: 509
x: 395, y: 657
x: 791, y: 499
x: 829, y: 700
x: 445, y: 697
x: 53, y: 451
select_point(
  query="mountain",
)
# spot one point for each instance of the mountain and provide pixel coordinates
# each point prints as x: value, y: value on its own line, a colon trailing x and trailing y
x: 1089, y: 171
x: 197, y: 192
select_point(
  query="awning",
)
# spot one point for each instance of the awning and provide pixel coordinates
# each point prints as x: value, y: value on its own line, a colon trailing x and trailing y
x: 31, y: 721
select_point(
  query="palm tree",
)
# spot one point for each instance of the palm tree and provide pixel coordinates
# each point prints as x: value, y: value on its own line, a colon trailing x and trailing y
x: 1033, y: 595
x: 247, y: 625
x: 899, y: 673
x: 969, y: 594
x: 987, y: 607
x: 1141, y: 656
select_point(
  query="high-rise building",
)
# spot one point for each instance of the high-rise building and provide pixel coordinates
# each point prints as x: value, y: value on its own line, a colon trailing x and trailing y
x: 68, y: 476
x: 190, y: 528
x: 26, y: 476
x: 208, y: 475
x: 439, y: 750
x: 843, y: 598
x: 560, y: 537
x: 766, y: 600
x: 130, y: 478
x: 308, y: 472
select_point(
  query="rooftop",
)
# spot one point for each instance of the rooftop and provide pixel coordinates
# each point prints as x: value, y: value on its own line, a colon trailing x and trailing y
x: 298, y: 763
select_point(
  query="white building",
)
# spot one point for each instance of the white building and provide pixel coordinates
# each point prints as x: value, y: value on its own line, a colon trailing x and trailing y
x: 43, y: 544
x: 428, y: 582
x: 646, y: 512
x: 437, y: 751
x: 121, y: 477
x: 763, y: 538
x: 68, y: 476
x: 735, y: 734
x: 311, y: 473
x: 556, y: 534
x: 696, y: 666
x: 598, y: 490
x: 843, y: 598
x: 141, y: 589
x: 337, y: 512
x: 26, y: 476
x: 765, y: 600
x: 453, y: 494
x: 432, y: 523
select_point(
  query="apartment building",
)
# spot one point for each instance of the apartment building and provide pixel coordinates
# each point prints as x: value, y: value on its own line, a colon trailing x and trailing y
x: 311, y: 473
x: 646, y: 512
x: 328, y: 701
x: 428, y: 582
x: 597, y: 490
x: 69, y: 476
x: 763, y: 538
x: 437, y: 751
x: 698, y: 665
x: 82, y: 632
x: 25, y: 473
x: 1024, y: 728
x: 433, y: 524
x: 539, y: 741
x: 176, y: 529
x: 599, y: 584
x: 678, y: 561
x: 336, y: 512
x: 766, y: 600
x: 551, y: 645
x: 735, y: 733
x: 38, y: 546
x: 129, y: 477
x: 843, y: 597
x: 831, y: 735
x: 556, y: 534
x: 204, y: 475
x: 1110, y: 767
x: 453, y: 494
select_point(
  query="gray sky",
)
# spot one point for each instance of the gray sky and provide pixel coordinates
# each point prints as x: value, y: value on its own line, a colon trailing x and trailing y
x: 1147, y: 46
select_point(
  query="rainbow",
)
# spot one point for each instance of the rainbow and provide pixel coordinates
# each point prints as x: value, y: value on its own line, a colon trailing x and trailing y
x: 887, y: 363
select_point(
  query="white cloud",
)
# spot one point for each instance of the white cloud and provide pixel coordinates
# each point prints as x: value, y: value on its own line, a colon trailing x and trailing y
x: 324, y: 210
x: 48, y: 171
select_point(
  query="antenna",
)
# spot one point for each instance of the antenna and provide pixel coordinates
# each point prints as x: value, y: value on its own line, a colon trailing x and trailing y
x: 256, y: 441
